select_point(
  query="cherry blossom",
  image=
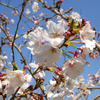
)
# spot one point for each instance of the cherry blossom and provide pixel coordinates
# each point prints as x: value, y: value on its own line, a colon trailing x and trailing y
x: 70, y: 83
x: 27, y: 11
x: 87, y: 33
x: 17, y: 77
x: 57, y: 96
x: 35, y: 41
x: 35, y: 7
x: 75, y: 66
x: 49, y: 39
x: 55, y: 33
x: 76, y: 16
x: 12, y: 21
x: 48, y: 53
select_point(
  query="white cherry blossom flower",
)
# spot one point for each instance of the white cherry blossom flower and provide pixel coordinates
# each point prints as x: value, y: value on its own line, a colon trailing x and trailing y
x: 15, y: 12
x: 50, y: 94
x: 41, y: 14
x: 76, y: 16
x: 66, y: 91
x: 61, y: 11
x: 35, y: 41
x: 57, y: 96
x: 70, y: 83
x: 12, y: 21
x: 28, y: 78
x: 52, y: 82
x: 87, y: 92
x: 27, y: 11
x: 48, y: 53
x: 9, y: 89
x: 55, y: 33
x: 64, y: 22
x: 90, y: 44
x: 35, y: 7
x: 85, y: 51
x: 17, y: 77
x: 75, y: 66
x: 25, y: 36
x: 87, y: 33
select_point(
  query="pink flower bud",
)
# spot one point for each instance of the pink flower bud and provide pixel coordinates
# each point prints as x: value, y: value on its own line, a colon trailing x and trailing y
x: 46, y: 19
x: 68, y: 24
x: 36, y: 22
x: 6, y: 17
x: 24, y: 73
x: 34, y: 96
x: 60, y: 1
x: 68, y: 33
x: 72, y: 52
x: 25, y: 67
x: 89, y: 75
x: 82, y: 49
x: 2, y: 74
x: 50, y: 7
x: 8, y: 21
x: 60, y: 68
x: 43, y: 79
x: 65, y: 34
x: 83, y: 20
x: 9, y: 43
x: 1, y: 14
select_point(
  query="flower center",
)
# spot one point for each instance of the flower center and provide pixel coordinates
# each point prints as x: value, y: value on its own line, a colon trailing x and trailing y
x: 68, y: 83
x: 55, y: 35
x: 53, y: 50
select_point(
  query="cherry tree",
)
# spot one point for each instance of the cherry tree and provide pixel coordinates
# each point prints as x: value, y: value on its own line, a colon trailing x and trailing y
x: 32, y: 46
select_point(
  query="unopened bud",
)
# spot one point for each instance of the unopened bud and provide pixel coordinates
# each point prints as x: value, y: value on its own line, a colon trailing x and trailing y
x: 50, y: 7
x: 89, y: 75
x: 25, y: 67
x: 9, y: 43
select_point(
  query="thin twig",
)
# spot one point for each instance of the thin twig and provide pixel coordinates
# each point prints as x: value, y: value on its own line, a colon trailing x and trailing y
x: 20, y: 17
x: 19, y: 12
x: 55, y: 11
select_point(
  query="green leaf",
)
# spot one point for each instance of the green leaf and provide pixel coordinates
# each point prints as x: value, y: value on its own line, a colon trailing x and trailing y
x: 14, y: 65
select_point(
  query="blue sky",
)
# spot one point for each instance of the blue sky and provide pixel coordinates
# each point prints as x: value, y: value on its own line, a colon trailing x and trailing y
x: 88, y: 9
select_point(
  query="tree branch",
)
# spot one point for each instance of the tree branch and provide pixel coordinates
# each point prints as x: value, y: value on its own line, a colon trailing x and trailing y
x: 55, y: 11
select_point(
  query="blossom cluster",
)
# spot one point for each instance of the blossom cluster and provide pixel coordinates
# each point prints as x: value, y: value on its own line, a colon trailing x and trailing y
x: 48, y: 44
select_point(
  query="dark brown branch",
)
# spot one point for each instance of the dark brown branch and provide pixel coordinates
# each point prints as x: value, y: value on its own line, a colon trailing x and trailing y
x: 20, y: 17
